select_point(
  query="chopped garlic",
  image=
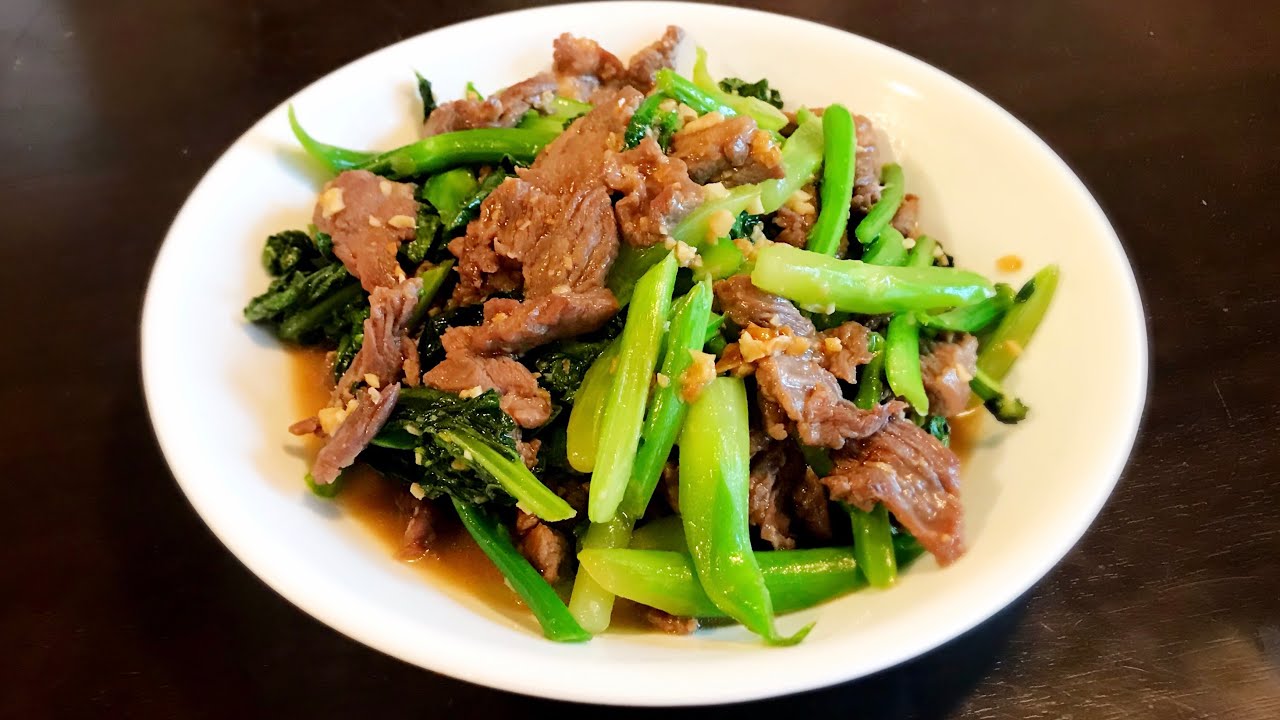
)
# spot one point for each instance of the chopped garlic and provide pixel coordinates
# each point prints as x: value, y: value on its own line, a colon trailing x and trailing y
x: 372, y: 381
x: 832, y: 345
x: 662, y: 380
x: 402, y: 222
x: 706, y: 121
x: 331, y: 202
x: 473, y: 392
x: 385, y: 187
x: 715, y: 191
x: 417, y: 491
x: 719, y: 225
x: 331, y: 419
x: 687, y: 255
x: 698, y: 375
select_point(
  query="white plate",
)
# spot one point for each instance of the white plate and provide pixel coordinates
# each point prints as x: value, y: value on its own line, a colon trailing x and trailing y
x: 219, y: 391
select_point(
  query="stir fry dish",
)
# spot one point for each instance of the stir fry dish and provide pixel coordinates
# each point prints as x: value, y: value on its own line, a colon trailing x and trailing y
x: 647, y: 336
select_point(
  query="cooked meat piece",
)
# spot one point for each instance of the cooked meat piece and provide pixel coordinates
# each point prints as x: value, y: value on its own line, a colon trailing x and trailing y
x: 482, y: 271
x: 660, y: 54
x: 581, y: 66
x: 810, y: 397
x: 367, y: 217
x: 528, y: 450
x: 773, y: 473
x: 844, y: 348
x: 731, y: 362
x: 947, y: 369
x: 365, y: 419
x: 745, y: 304
x: 657, y: 192
x: 306, y: 426
x: 866, y: 177
x: 537, y: 321
x: 502, y: 109
x: 578, y: 248
x: 543, y: 546
x: 795, y: 226
x: 412, y: 365
x: 913, y: 474
x: 728, y: 150
x: 773, y: 419
x: 385, y: 351
x: 904, y: 221
x: 522, y: 399
x: 812, y: 510
x: 757, y: 440
x: 574, y: 492
x: 668, y: 623
x: 420, y: 532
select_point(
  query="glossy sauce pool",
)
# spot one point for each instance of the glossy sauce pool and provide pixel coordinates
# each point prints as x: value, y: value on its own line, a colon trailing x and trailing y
x: 454, y: 559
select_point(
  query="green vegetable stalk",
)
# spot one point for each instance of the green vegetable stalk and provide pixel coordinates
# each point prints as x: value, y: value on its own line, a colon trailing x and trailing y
x: 1004, y: 407
x: 337, y: 158
x: 902, y: 361
x: 557, y: 624
x: 684, y: 90
x: 971, y: 318
x: 585, y: 418
x: 873, y: 545
x: 643, y: 119
x: 433, y: 278
x: 881, y: 214
x: 801, y: 158
x: 714, y: 483
x: 447, y: 191
x: 1019, y: 324
x: 664, y: 533
x: 793, y: 579
x: 822, y: 283
x: 624, y: 405
x: 922, y: 252
x: 840, y: 146
x: 888, y: 250
x: 767, y: 116
x: 531, y: 495
x: 695, y: 228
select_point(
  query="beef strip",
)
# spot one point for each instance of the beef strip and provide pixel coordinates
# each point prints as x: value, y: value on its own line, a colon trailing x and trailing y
x: 306, y: 426
x: 386, y: 348
x: 585, y: 71
x: 812, y: 509
x: 503, y: 109
x: 866, y: 174
x: 905, y: 220
x: 668, y: 623
x: 657, y: 192
x: 947, y: 368
x: 844, y: 348
x: 522, y: 399
x: 424, y: 518
x: 728, y: 150
x: 543, y: 546
x: 795, y: 385
x: 774, y: 473
x: 364, y: 420
x: 914, y: 475
x: 644, y: 65
x: 521, y: 326
x: 794, y: 226
x: 367, y: 217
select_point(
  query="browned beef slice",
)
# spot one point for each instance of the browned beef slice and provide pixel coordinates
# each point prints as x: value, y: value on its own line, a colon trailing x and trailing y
x: 812, y: 510
x: 657, y: 192
x: 773, y: 473
x: 660, y: 54
x: 502, y: 109
x: 528, y: 450
x: 914, y: 475
x: 525, y: 325
x: 947, y: 369
x: 424, y: 519
x: 733, y: 151
x: 522, y: 399
x: 543, y: 546
x: 745, y: 304
x: 668, y: 623
x: 384, y: 351
x: 866, y: 178
x: 849, y: 350
x: 367, y: 217
x: 306, y: 426
x: 370, y: 413
x: 581, y: 66
x: 905, y: 220
x: 810, y: 397
x: 795, y: 226
x: 512, y: 210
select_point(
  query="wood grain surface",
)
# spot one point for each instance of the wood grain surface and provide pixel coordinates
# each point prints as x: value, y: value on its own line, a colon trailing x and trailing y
x: 116, y: 601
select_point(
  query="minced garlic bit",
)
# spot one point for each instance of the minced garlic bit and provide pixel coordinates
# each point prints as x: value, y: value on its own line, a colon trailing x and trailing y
x: 372, y: 381
x: 417, y: 491
x: 687, y: 255
x: 686, y: 113
x: 801, y: 202
x: 715, y: 191
x: 498, y: 317
x: 798, y: 346
x: 908, y: 243
x: 1009, y: 263
x: 832, y: 345
x: 662, y: 380
x: 473, y: 392
x: 668, y: 105
x: 698, y: 375
x: 755, y: 207
x: 402, y: 222
x: 706, y: 121
x: 331, y: 202
x: 374, y: 221
x: 758, y: 342
x: 330, y: 419
x: 385, y: 187
x: 375, y: 395
x: 561, y: 289
x: 1013, y: 347
x: 719, y: 225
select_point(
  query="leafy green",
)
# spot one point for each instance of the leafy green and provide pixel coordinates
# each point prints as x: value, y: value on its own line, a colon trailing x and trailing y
x: 285, y: 250
x: 759, y: 90
x: 745, y: 224
x: 564, y: 363
x: 428, y: 238
x: 428, y: 97
x: 937, y: 426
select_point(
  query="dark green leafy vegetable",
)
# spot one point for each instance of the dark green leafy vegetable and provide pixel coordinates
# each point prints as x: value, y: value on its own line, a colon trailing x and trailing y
x: 937, y: 426
x: 759, y: 90
x: 428, y: 97
x: 312, y: 298
x: 642, y: 120
x: 284, y: 251
x: 1004, y: 407
x: 564, y: 364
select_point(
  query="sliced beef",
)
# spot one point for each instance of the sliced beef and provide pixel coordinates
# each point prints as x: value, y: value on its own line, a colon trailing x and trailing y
x: 866, y: 177
x: 367, y: 217
x: 774, y: 473
x: 745, y: 304
x: 668, y: 623
x: 644, y: 65
x: 543, y: 546
x: 810, y: 397
x: 585, y: 71
x: 844, y: 348
x: 794, y: 227
x: 522, y: 399
x: 520, y: 326
x: 369, y: 413
x: 914, y: 475
x: 502, y: 109
x: 905, y: 220
x: 528, y: 450
x: 306, y: 426
x: 656, y: 192
x: 424, y: 519
x: 386, y: 347
x: 812, y: 509
x: 947, y: 369
x: 728, y: 150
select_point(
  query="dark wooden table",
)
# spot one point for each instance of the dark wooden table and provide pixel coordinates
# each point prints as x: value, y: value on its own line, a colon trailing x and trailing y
x: 115, y: 601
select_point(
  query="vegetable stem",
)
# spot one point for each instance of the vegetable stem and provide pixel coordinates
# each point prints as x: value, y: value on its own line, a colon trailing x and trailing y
x: 767, y: 117
x: 873, y: 545
x: 1013, y: 334
x: 839, y: 137
x: 881, y: 214
x: 801, y: 158
x: 530, y: 494
x: 922, y: 252
x: 887, y: 250
x: 902, y: 361
x: 583, y: 433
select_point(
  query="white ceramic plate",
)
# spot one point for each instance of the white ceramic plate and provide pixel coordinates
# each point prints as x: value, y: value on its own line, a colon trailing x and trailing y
x: 219, y: 390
